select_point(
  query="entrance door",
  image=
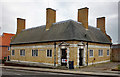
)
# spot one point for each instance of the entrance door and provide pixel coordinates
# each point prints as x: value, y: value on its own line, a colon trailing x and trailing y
x: 80, y: 57
x: 63, y: 57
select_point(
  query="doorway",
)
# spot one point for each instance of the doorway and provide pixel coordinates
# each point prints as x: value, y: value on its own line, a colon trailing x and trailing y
x: 63, y: 57
x: 80, y: 57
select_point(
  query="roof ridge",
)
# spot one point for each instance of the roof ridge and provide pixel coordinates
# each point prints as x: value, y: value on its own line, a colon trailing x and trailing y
x: 69, y: 20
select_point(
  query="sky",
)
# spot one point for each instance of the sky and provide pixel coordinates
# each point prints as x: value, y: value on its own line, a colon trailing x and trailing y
x: 119, y: 23
x: 34, y: 11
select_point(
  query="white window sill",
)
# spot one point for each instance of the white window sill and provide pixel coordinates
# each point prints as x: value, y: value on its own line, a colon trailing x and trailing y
x: 34, y: 56
x: 91, y: 56
x: 49, y: 57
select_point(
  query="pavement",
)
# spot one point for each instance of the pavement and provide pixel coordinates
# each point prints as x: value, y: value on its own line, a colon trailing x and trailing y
x: 102, y: 67
x: 111, y: 74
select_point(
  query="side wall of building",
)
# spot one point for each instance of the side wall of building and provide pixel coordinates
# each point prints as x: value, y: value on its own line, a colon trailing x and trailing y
x: 5, y: 52
x: 96, y: 58
x: 42, y: 53
x: 73, y: 54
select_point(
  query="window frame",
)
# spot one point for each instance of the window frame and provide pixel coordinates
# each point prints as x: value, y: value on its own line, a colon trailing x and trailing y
x: 12, y: 53
x: 107, y: 52
x: 89, y: 53
x: 22, y: 52
x: 49, y: 53
x: 100, y: 54
x: 35, y: 52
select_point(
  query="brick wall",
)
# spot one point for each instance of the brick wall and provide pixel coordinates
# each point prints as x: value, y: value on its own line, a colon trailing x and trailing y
x: 5, y: 52
x: 42, y: 55
x: 116, y: 54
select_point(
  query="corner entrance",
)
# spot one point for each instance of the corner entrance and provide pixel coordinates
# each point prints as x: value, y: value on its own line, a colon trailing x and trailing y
x: 63, y: 57
x: 80, y: 57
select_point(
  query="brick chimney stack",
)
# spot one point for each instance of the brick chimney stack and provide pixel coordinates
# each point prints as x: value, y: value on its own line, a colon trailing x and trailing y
x: 83, y: 16
x: 20, y: 25
x: 50, y: 17
x: 101, y: 24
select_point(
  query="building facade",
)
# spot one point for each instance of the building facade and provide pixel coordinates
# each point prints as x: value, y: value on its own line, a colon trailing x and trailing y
x: 5, y: 40
x: 57, y: 43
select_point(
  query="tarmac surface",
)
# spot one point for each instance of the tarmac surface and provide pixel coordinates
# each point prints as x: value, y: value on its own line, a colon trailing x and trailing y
x: 56, y: 71
x: 26, y: 73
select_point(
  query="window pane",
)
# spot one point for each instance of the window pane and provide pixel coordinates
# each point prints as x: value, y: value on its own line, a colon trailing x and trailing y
x: 91, y: 53
x: 101, y: 52
x: 36, y: 52
x: 107, y: 52
x: 50, y: 53
x: 22, y: 52
x: 13, y: 52
x: 33, y: 52
x: 47, y: 53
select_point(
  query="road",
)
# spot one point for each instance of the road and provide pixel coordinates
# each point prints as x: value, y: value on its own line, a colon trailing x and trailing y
x: 25, y: 73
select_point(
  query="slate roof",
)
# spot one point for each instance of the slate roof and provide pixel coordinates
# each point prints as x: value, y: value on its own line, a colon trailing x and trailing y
x: 64, y: 30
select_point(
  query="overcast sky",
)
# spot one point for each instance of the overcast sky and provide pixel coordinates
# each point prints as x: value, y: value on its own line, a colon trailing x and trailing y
x: 34, y: 11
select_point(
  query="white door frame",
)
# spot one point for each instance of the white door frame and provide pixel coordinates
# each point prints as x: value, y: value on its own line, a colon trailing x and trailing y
x: 59, y: 56
x: 84, y: 55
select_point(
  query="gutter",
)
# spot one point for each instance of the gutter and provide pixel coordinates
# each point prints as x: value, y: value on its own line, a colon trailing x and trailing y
x: 55, y: 54
x: 58, y: 41
x: 4, y: 46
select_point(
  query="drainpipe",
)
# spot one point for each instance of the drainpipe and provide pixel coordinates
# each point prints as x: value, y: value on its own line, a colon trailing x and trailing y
x: 110, y: 52
x: 87, y: 53
x: 55, y: 54
x: 10, y: 52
